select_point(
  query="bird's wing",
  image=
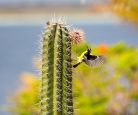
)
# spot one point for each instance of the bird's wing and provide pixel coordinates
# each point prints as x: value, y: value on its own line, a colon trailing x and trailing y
x: 91, y: 57
x: 99, y: 60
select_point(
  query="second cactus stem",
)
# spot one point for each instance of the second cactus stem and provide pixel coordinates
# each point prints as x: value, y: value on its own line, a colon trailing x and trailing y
x: 56, y: 85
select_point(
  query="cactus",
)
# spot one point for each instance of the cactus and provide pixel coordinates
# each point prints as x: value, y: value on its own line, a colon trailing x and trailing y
x: 56, y: 81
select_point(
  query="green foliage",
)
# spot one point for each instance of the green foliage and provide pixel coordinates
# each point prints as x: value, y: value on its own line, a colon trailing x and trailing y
x: 111, y: 89
x: 26, y: 100
x: 98, y: 88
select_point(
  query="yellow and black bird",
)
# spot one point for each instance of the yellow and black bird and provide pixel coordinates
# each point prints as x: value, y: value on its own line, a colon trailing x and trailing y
x: 89, y: 59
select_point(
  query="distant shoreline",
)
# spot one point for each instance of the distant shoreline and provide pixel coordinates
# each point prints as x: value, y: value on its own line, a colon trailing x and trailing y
x: 38, y: 14
x: 71, y: 18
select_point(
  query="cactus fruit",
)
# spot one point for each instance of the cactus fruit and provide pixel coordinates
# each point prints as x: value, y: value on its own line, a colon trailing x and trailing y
x: 56, y: 81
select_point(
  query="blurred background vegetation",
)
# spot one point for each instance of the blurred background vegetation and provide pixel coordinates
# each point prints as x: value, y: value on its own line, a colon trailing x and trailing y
x: 127, y: 9
x: 111, y: 89
x: 108, y: 90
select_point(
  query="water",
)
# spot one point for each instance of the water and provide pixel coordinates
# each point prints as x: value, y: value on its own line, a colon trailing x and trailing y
x: 18, y: 46
x: 112, y: 34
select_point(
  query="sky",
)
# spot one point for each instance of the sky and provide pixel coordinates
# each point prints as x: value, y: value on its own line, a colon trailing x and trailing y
x: 50, y: 1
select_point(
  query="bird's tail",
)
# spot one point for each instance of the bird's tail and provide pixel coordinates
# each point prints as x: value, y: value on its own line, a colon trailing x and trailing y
x: 76, y: 64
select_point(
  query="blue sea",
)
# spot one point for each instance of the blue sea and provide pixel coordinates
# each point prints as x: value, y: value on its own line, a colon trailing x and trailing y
x: 19, y: 45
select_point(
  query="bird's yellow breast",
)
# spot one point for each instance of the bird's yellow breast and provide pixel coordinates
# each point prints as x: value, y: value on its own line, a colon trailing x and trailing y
x: 81, y: 56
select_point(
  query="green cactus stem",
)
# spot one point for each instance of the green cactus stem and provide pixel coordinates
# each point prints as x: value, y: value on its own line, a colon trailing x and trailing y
x: 56, y: 81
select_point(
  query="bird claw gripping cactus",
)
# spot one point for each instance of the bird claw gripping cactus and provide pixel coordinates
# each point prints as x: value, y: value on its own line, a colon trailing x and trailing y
x: 56, y: 81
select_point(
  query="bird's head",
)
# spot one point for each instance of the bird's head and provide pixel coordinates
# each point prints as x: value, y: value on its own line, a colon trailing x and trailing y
x: 89, y: 50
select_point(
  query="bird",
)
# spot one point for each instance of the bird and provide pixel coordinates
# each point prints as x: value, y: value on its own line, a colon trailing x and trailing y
x: 89, y: 59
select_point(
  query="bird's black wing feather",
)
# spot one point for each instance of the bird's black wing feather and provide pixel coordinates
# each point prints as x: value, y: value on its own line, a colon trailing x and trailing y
x: 91, y: 57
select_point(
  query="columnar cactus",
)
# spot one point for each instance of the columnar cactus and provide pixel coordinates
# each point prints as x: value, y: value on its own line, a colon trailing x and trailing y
x: 56, y: 81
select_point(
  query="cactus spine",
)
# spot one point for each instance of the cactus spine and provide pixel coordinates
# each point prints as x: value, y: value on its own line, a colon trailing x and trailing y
x: 56, y: 84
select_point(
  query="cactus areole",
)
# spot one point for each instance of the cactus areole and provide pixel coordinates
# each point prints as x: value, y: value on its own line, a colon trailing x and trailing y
x: 56, y: 81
